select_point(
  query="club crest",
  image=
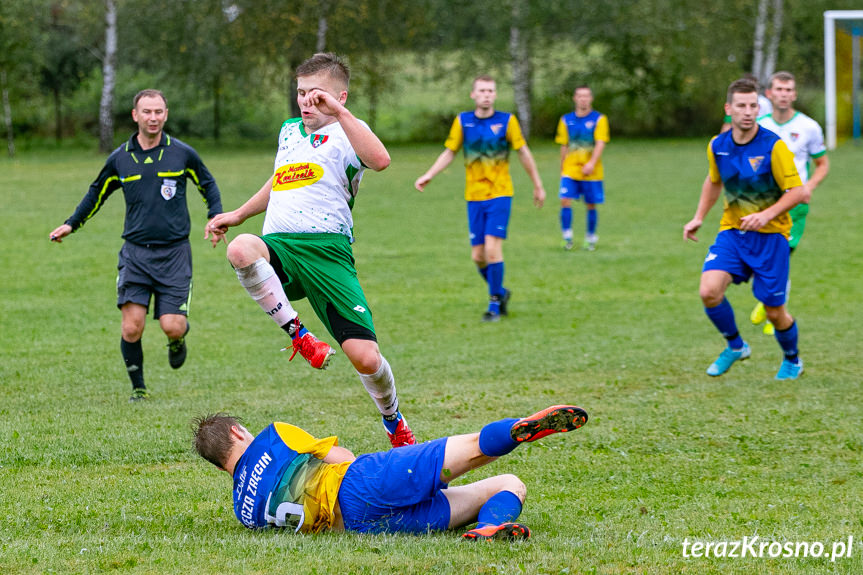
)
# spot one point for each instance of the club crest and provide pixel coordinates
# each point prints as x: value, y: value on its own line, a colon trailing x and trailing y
x: 496, y: 128
x: 755, y: 162
x: 794, y: 136
x: 318, y: 140
x: 169, y: 189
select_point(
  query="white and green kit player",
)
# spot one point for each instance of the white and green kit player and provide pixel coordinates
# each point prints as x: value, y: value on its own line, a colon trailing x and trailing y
x: 805, y: 139
x: 305, y: 248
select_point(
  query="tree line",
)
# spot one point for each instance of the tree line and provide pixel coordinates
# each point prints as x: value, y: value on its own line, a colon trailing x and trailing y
x: 69, y: 68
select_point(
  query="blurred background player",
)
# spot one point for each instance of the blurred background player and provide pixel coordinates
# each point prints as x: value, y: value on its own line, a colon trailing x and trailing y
x: 305, y: 249
x: 805, y: 139
x: 156, y: 260
x: 761, y: 185
x: 487, y: 136
x: 582, y: 135
x: 285, y: 477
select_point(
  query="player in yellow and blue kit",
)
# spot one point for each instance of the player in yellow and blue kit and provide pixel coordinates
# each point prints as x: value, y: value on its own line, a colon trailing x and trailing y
x: 761, y: 185
x: 285, y: 477
x: 582, y: 135
x: 487, y: 137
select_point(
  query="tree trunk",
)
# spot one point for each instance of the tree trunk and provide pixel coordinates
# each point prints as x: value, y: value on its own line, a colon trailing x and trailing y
x: 758, y: 45
x: 520, y: 57
x: 7, y: 114
x: 322, y: 26
x: 106, y: 104
x: 773, y: 47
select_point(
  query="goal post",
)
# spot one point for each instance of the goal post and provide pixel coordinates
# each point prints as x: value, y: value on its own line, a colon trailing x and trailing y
x: 843, y: 30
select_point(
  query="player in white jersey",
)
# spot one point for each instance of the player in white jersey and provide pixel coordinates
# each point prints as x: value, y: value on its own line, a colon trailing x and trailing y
x: 805, y: 139
x: 305, y: 248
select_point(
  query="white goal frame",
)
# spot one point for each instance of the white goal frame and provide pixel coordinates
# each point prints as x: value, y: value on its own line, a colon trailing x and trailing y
x: 831, y: 18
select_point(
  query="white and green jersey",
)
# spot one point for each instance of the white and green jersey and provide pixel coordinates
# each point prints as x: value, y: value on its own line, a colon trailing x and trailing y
x: 316, y: 178
x: 802, y: 135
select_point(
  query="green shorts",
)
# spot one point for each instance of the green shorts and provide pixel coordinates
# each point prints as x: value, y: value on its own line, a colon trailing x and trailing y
x: 320, y: 267
x: 798, y: 223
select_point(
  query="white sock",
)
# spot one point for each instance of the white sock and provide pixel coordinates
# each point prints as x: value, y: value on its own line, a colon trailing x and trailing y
x: 567, y: 234
x: 381, y: 385
x: 262, y: 283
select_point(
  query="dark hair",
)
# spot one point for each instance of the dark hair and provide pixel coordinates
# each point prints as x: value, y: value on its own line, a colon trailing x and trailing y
x: 741, y: 86
x: 782, y: 76
x: 481, y: 78
x: 212, y: 437
x: 326, y: 62
x: 149, y: 94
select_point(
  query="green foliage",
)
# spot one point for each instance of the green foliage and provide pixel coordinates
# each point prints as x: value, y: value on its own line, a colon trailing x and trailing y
x: 92, y: 483
x: 658, y: 67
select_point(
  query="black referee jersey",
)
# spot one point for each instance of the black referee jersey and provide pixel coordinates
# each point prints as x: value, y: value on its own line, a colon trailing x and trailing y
x: 154, y: 186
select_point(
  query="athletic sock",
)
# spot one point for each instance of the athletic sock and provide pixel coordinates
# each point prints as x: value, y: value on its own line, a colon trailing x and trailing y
x: 787, y: 339
x: 295, y: 328
x: 592, y: 220
x: 381, y: 386
x: 502, y: 507
x: 483, y: 272
x: 262, y: 283
x: 391, y: 422
x: 495, y: 439
x: 566, y: 222
x: 495, y: 279
x: 722, y: 317
x: 133, y: 356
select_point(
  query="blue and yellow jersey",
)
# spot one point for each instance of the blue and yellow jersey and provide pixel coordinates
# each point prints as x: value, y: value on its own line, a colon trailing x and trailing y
x: 281, y: 481
x: 580, y: 134
x: 487, y: 142
x: 755, y: 176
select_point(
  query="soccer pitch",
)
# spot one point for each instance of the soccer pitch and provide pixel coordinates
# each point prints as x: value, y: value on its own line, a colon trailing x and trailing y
x: 92, y: 483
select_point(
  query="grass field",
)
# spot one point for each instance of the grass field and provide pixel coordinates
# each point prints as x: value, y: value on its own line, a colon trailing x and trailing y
x: 91, y: 483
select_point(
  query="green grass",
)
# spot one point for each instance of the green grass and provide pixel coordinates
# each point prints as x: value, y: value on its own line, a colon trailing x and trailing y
x: 91, y: 483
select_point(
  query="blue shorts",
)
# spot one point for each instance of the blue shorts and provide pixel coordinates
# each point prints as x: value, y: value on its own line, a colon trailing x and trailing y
x: 396, y: 491
x: 591, y: 190
x: 748, y: 254
x: 488, y: 218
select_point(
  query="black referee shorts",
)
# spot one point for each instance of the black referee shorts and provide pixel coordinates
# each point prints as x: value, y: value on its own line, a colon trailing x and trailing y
x: 161, y: 271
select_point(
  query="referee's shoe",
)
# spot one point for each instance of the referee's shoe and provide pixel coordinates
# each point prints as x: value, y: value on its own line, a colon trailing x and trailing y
x: 177, y: 350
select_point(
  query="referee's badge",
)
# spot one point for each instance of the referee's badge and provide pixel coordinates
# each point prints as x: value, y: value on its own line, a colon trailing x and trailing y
x: 169, y: 189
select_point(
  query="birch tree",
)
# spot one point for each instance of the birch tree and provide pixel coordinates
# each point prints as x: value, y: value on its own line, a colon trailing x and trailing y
x: 520, y: 60
x: 764, y: 62
x: 106, y: 104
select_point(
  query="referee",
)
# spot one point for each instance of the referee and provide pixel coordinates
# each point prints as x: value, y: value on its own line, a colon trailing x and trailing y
x: 152, y: 169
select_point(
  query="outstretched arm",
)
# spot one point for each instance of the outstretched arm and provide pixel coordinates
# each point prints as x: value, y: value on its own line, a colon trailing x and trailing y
x: 255, y: 205
x: 444, y: 160
x: 529, y: 164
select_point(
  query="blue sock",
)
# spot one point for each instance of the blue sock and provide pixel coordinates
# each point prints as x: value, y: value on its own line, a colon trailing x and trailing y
x: 495, y: 279
x: 787, y: 339
x: 592, y: 219
x: 565, y: 219
x: 502, y: 507
x: 722, y: 317
x: 392, y: 424
x: 495, y: 440
x: 483, y: 272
